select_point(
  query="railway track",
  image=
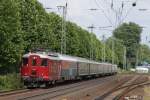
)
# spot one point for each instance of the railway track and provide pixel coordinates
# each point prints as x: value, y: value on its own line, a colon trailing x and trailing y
x: 35, y: 93
x: 121, y: 83
x: 4, y: 91
x: 130, y: 88
x: 13, y: 92
x: 53, y: 93
x: 61, y: 91
x: 133, y: 84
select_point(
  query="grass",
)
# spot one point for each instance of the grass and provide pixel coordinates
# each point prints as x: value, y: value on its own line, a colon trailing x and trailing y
x: 10, y: 81
x: 147, y: 93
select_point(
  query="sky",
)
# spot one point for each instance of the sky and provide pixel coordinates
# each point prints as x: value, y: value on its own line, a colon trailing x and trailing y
x: 79, y: 12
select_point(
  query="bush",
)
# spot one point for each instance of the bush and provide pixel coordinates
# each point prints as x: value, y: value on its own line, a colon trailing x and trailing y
x: 10, y: 81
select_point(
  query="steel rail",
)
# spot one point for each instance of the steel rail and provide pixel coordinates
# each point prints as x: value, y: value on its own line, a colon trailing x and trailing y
x: 130, y: 88
x: 65, y: 90
x: 12, y: 92
x: 113, y: 89
x: 119, y: 87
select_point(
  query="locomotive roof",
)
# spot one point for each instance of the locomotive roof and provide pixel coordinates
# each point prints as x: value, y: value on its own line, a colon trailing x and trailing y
x: 41, y: 56
x: 57, y: 56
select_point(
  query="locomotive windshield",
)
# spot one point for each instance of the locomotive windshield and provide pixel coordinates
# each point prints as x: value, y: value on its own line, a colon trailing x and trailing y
x: 25, y: 61
x: 44, y: 62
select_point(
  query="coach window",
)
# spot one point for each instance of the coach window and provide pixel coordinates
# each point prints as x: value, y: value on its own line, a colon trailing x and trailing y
x: 25, y: 61
x: 44, y: 62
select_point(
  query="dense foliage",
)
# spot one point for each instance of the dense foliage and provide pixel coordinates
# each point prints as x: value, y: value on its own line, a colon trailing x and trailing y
x: 26, y: 25
x: 143, y: 54
x: 130, y: 34
x: 118, y: 50
x: 10, y: 81
x: 11, y: 38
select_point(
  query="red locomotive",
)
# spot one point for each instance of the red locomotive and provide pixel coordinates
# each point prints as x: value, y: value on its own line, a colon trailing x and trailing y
x: 41, y: 68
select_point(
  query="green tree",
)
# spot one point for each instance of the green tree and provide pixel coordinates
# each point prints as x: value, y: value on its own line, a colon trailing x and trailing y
x: 143, y: 54
x: 34, y: 24
x: 26, y: 25
x: 130, y: 34
x: 11, y: 42
x: 118, y: 50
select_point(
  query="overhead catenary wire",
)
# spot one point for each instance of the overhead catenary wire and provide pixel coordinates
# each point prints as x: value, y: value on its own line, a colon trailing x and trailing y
x: 98, y: 5
x: 118, y: 13
x: 128, y: 12
x: 118, y: 21
x: 121, y: 13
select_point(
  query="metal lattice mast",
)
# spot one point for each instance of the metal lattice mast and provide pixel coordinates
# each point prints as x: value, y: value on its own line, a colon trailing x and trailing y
x: 63, y: 35
x: 91, y: 41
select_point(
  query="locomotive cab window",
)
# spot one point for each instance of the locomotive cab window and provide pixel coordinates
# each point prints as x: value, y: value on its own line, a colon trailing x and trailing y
x: 25, y: 61
x: 34, y: 62
x: 44, y: 62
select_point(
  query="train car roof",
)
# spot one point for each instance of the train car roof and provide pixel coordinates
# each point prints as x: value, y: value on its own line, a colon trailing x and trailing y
x: 76, y: 59
x: 57, y: 56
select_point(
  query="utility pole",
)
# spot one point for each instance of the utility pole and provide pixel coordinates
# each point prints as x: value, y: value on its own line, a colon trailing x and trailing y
x: 104, y: 49
x: 91, y: 41
x: 137, y: 58
x: 124, y: 58
x: 63, y: 36
x: 113, y: 51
